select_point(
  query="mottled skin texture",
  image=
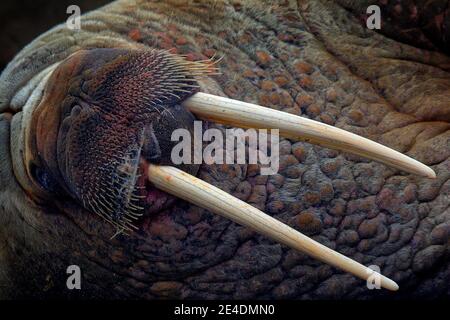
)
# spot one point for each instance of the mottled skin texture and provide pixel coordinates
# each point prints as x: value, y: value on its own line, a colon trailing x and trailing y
x: 310, y: 58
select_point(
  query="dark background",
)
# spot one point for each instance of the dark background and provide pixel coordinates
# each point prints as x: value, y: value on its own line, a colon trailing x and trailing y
x: 23, y: 20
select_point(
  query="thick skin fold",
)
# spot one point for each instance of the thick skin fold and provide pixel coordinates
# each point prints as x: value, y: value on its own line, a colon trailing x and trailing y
x: 247, y: 115
x: 202, y: 194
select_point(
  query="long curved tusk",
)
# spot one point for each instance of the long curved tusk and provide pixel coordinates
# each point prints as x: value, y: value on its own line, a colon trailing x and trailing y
x: 247, y: 115
x: 202, y: 194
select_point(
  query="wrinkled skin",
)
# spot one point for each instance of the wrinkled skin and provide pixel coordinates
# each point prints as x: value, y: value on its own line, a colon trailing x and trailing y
x: 313, y: 59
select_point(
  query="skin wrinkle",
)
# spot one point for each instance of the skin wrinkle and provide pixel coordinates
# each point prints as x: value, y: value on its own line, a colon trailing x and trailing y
x: 288, y: 72
x: 344, y: 62
x: 355, y: 62
x: 213, y: 263
x: 420, y: 28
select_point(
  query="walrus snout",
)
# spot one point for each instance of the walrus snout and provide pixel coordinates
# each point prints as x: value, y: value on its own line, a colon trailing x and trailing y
x: 103, y: 111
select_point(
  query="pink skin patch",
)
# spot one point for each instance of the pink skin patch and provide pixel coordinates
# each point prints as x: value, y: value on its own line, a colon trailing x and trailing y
x: 155, y: 200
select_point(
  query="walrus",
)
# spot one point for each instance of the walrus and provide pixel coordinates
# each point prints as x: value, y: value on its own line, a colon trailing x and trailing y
x: 85, y: 112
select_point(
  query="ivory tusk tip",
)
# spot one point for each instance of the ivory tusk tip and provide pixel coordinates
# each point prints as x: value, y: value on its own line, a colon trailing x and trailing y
x: 395, y: 287
x: 389, y: 284
x: 424, y: 171
x: 430, y: 173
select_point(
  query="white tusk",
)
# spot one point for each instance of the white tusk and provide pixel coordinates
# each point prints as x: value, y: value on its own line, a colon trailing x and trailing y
x: 247, y: 115
x: 202, y: 194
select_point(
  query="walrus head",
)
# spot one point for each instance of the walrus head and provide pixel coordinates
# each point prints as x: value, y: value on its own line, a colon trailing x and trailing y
x: 104, y: 113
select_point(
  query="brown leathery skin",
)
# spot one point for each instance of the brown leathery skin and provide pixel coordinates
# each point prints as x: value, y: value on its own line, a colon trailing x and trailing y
x: 310, y: 58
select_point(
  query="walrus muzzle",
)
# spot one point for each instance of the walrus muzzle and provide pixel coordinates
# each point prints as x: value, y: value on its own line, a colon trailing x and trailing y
x: 103, y: 111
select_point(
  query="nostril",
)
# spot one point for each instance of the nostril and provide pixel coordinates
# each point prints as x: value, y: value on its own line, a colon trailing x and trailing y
x: 151, y: 150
